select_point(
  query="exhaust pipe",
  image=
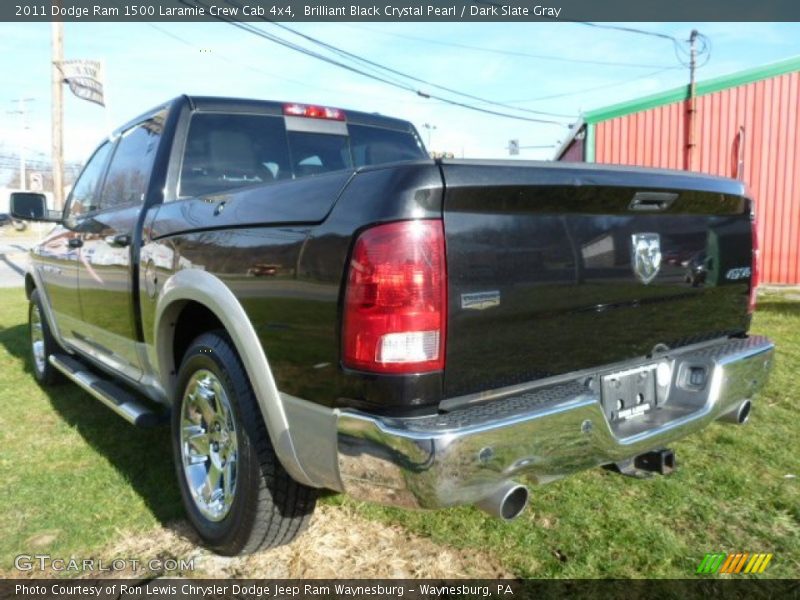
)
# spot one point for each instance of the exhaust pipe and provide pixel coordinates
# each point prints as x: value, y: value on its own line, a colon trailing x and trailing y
x: 738, y: 415
x: 507, y: 502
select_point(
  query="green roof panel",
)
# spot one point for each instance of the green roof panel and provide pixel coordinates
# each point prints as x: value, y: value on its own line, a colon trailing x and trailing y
x: 704, y: 87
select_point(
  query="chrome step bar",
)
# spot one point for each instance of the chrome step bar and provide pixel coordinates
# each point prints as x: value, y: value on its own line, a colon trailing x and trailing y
x: 125, y: 404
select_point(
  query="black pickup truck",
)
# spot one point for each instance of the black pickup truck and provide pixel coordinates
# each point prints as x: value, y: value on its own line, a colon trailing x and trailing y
x: 317, y: 305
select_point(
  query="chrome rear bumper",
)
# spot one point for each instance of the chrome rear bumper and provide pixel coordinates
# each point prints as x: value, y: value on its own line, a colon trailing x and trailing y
x: 540, y: 435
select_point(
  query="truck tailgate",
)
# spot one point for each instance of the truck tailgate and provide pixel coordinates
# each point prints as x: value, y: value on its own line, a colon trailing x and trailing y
x: 554, y: 268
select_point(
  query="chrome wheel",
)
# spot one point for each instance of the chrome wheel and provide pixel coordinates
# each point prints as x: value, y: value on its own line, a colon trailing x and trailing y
x: 208, y: 445
x: 37, y: 339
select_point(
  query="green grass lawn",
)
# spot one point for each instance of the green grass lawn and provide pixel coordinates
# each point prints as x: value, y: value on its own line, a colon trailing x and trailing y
x: 76, y: 476
x: 74, y: 473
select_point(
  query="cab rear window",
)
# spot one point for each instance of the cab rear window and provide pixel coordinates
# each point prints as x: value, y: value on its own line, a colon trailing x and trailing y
x: 226, y: 151
x: 376, y: 145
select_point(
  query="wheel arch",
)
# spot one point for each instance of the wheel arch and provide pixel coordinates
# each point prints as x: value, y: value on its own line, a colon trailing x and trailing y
x: 33, y: 282
x: 201, y: 291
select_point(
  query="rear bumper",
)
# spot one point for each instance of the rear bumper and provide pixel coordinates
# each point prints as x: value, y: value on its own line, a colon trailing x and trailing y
x: 539, y: 434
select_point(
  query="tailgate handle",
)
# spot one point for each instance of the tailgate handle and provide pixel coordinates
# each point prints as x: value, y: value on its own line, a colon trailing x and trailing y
x: 652, y: 201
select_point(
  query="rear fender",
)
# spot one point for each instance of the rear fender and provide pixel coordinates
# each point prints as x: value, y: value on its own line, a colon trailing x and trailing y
x: 191, y: 285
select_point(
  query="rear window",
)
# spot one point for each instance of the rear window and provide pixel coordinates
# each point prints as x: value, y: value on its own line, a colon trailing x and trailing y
x: 226, y: 151
x: 375, y: 145
x: 229, y: 151
x: 316, y: 153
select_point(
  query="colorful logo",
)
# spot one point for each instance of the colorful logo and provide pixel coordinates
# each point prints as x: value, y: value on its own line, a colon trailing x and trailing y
x: 741, y: 562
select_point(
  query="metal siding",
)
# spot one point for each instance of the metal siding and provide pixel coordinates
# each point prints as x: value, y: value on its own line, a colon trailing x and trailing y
x: 792, y: 183
x: 767, y: 110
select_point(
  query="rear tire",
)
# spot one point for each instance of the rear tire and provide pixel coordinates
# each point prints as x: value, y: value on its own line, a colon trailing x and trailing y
x: 237, y: 494
x: 42, y: 343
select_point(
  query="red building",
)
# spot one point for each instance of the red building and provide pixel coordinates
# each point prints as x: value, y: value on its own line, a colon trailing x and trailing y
x: 744, y: 125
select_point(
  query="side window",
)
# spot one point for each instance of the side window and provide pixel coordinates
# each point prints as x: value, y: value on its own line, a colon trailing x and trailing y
x: 131, y: 164
x: 225, y: 151
x: 84, y: 196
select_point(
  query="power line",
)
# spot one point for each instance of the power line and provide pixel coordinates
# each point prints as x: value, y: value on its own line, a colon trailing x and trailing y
x: 236, y: 62
x: 255, y: 69
x: 14, y: 158
x: 627, y: 29
x: 345, y: 54
x: 250, y: 29
x: 510, y: 52
x: 705, y: 48
x: 504, y: 104
x: 595, y: 88
x: 283, y: 42
x: 676, y: 43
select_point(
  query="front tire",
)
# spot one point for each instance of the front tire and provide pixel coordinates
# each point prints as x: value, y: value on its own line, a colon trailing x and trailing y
x: 42, y: 343
x: 237, y: 495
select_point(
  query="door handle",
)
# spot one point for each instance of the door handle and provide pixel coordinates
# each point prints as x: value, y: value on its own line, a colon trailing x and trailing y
x: 75, y: 242
x: 119, y: 241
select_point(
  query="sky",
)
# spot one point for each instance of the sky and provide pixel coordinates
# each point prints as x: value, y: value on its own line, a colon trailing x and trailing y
x: 146, y: 64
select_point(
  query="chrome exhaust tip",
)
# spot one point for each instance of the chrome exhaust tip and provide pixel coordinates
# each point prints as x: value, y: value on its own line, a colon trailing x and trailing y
x: 738, y: 415
x: 507, y: 502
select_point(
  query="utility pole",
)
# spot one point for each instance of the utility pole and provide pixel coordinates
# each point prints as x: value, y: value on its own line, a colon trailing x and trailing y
x: 23, y: 119
x: 57, y: 56
x: 106, y: 111
x: 692, y: 112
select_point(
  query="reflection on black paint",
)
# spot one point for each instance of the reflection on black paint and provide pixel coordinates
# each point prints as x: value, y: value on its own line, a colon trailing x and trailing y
x: 569, y: 298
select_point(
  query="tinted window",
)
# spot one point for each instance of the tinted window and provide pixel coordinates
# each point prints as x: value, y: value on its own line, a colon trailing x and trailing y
x: 315, y: 153
x: 84, y: 195
x: 225, y: 151
x: 229, y: 151
x: 129, y: 173
x: 375, y: 145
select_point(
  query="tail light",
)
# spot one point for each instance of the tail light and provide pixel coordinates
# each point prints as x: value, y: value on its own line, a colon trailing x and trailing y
x: 395, y: 305
x: 755, y: 271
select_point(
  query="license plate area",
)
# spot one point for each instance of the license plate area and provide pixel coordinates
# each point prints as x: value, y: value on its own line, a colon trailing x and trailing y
x: 630, y: 394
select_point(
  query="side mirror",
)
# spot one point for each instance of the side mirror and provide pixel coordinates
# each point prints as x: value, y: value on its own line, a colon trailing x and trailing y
x: 32, y: 206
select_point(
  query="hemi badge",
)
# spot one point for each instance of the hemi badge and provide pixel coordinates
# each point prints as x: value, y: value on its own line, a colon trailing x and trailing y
x: 480, y: 300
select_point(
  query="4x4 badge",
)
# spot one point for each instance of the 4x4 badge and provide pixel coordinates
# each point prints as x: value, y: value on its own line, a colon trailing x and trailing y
x: 646, y: 255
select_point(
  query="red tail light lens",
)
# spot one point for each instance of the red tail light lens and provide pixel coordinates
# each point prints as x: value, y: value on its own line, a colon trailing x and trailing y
x: 395, y: 305
x: 755, y: 271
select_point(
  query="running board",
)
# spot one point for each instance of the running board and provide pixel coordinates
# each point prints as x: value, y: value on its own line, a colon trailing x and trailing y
x: 125, y: 404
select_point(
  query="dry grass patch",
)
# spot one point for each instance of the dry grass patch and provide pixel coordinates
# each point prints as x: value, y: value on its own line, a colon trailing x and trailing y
x: 339, y: 544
